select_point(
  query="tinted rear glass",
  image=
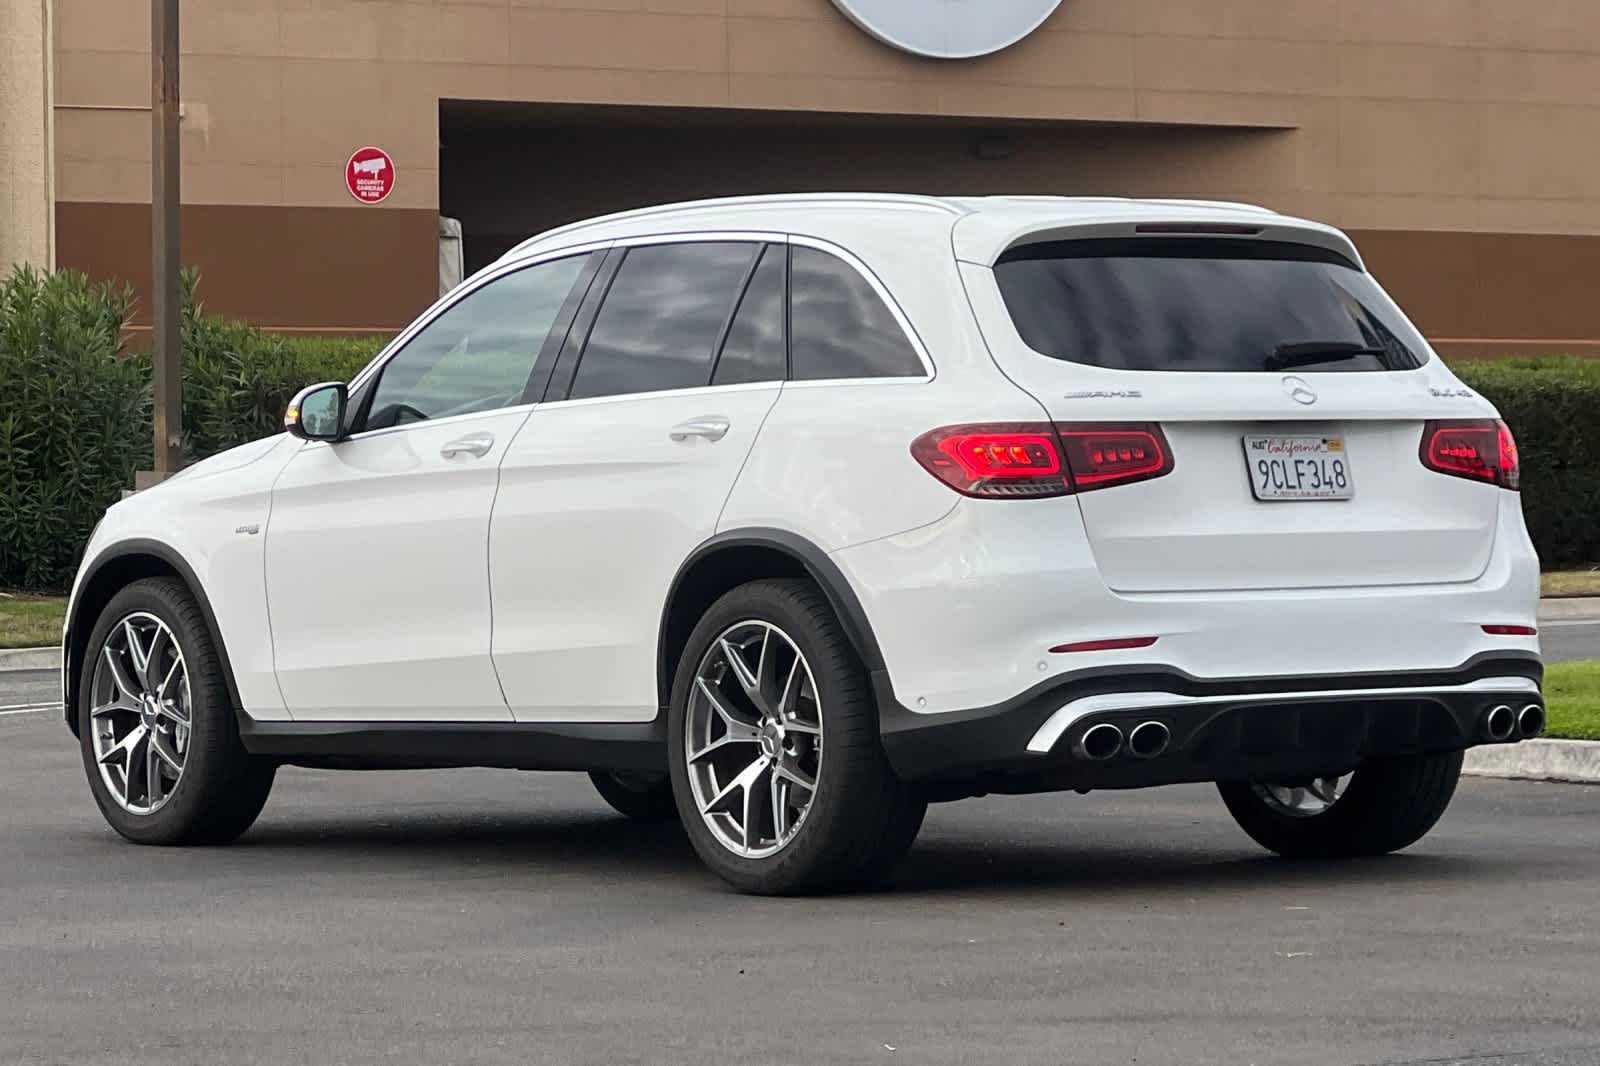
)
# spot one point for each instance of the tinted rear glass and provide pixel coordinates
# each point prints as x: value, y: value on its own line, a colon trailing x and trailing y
x: 1202, y: 305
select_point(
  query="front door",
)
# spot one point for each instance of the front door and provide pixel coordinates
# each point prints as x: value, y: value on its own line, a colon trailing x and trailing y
x: 377, y: 546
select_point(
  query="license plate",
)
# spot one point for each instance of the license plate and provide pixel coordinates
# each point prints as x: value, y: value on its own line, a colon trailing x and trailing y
x: 1298, y: 468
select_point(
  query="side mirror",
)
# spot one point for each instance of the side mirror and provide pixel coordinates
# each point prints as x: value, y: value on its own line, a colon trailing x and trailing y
x: 317, y: 412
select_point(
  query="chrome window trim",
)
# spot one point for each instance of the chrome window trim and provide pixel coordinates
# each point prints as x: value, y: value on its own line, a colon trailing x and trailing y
x: 698, y: 390
x: 1062, y: 720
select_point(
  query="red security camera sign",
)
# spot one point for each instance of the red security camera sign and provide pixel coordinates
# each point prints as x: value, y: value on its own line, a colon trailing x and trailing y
x: 369, y: 175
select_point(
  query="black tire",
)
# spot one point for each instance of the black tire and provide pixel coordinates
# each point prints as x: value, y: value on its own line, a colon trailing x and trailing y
x: 1387, y: 805
x: 222, y: 788
x: 862, y: 819
x: 643, y: 797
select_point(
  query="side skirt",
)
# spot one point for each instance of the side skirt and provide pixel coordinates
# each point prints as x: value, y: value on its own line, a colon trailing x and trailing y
x: 440, y: 745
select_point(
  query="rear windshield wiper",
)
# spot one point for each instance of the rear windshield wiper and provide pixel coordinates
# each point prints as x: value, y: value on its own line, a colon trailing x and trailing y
x: 1310, y: 353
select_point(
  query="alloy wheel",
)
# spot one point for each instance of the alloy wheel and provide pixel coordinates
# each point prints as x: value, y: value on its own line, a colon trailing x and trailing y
x: 140, y: 713
x: 753, y: 739
x: 1303, y: 799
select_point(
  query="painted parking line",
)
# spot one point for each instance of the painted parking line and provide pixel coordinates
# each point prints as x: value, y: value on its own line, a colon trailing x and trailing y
x: 1570, y: 624
x: 35, y: 708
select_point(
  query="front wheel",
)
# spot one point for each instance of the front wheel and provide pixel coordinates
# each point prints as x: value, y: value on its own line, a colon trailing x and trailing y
x: 1383, y: 806
x: 159, y: 739
x: 777, y: 766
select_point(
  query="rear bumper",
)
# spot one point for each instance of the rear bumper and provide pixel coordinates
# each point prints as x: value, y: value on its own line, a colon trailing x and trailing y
x: 1272, y: 728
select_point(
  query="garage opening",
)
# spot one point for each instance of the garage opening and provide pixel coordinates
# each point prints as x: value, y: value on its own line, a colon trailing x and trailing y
x: 510, y: 170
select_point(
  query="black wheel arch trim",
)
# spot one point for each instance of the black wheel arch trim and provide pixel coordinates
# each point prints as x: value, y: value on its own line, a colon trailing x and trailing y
x: 821, y: 569
x: 78, y: 624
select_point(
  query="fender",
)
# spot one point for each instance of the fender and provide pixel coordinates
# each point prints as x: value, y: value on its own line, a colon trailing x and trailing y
x: 816, y: 564
x: 78, y: 624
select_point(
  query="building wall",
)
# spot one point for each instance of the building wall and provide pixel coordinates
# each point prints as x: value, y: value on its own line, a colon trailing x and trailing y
x: 26, y: 217
x: 1458, y: 138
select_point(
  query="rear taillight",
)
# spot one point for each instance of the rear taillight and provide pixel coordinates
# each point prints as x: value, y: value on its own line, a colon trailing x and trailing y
x: 1012, y: 460
x: 1032, y: 460
x: 1114, y: 454
x: 1481, y: 449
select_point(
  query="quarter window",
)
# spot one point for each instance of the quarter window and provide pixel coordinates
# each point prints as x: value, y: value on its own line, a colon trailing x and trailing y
x: 662, y: 318
x: 479, y: 353
x: 755, y: 349
x: 839, y: 326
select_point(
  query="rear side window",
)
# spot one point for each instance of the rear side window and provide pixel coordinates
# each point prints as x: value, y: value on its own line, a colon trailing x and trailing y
x: 1203, y: 305
x: 839, y: 326
x: 662, y: 318
x: 755, y: 348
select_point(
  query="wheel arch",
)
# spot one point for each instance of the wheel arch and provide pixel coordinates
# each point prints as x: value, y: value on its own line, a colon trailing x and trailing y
x: 738, y: 556
x: 112, y: 571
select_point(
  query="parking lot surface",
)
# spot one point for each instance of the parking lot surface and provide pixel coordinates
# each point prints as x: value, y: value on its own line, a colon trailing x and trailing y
x: 491, y: 916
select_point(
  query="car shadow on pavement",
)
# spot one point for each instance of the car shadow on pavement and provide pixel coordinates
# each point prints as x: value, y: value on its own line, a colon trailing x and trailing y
x: 1093, y: 867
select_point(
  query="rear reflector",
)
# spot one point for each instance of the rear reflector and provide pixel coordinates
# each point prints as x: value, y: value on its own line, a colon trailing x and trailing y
x: 1114, y: 644
x: 1031, y: 460
x: 1511, y: 631
x: 1480, y: 449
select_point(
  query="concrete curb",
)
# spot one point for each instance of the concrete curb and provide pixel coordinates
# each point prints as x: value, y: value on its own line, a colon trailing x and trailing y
x: 1565, y: 608
x: 30, y: 659
x: 1573, y: 761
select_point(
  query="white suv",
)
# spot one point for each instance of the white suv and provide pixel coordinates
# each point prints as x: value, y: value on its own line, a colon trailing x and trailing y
x: 787, y: 516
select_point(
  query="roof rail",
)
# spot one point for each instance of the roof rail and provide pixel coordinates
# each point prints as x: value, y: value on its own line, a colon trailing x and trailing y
x: 719, y: 203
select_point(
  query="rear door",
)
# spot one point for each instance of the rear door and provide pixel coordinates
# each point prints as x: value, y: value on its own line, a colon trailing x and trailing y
x: 666, y: 379
x: 1291, y: 394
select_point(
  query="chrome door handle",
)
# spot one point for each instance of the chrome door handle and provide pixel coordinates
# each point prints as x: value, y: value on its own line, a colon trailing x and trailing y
x: 709, y: 427
x: 476, y: 445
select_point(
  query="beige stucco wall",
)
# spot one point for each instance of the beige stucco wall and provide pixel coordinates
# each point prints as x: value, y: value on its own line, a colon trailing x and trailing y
x: 27, y: 219
x: 1415, y: 114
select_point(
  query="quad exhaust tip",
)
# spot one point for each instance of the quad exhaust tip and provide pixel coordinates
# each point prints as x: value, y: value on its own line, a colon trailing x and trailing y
x: 1530, y: 721
x: 1099, y: 743
x: 1148, y: 740
x: 1500, y: 723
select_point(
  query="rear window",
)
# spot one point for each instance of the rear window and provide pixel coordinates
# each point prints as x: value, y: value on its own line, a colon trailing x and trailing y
x: 1203, y: 305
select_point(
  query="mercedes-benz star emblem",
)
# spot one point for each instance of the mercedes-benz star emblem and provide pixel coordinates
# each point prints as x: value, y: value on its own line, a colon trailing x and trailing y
x: 1299, y: 390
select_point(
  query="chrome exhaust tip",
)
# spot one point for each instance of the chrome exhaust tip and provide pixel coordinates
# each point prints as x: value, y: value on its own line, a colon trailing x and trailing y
x: 1099, y: 743
x: 1530, y: 721
x: 1500, y: 723
x: 1148, y: 740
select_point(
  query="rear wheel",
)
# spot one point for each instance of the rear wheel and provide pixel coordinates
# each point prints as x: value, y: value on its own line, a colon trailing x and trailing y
x: 642, y: 796
x: 1383, y: 806
x: 779, y: 773
x: 156, y: 726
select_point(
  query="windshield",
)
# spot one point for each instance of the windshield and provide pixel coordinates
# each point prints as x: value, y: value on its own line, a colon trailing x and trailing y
x: 1203, y: 304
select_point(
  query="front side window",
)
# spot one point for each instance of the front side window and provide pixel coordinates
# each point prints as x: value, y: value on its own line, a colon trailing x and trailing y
x: 662, y: 318
x: 839, y: 326
x: 1203, y: 304
x: 479, y: 353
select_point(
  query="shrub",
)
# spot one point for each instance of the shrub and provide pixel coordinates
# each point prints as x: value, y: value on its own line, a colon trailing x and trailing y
x: 74, y: 419
x: 1553, y: 407
x: 237, y: 380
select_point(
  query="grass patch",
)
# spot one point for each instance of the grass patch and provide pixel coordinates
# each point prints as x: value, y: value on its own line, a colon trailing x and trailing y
x: 31, y: 621
x: 1572, y: 692
x: 1571, y: 583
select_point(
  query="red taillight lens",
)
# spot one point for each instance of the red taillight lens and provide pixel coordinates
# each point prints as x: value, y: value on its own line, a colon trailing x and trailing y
x: 1018, y: 460
x: 1030, y: 460
x: 1481, y: 449
x: 1100, y: 456
x: 1510, y: 631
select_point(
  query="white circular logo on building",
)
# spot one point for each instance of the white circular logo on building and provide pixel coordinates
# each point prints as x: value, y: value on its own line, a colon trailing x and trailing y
x: 949, y: 29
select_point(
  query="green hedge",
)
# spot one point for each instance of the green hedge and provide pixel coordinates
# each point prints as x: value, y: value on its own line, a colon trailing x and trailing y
x: 1553, y: 407
x: 75, y: 409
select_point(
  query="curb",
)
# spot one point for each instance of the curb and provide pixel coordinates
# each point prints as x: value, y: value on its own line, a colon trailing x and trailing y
x: 1569, y: 608
x: 30, y: 659
x: 1571, y: 761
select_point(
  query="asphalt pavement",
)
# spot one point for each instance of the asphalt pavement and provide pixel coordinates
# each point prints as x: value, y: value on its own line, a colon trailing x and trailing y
x: 498, y: 917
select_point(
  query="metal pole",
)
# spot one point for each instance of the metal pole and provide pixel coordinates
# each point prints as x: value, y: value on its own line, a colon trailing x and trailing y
x: 165, y: 300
